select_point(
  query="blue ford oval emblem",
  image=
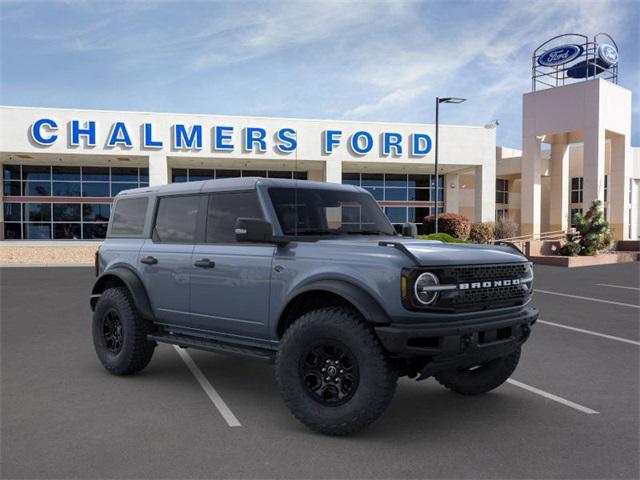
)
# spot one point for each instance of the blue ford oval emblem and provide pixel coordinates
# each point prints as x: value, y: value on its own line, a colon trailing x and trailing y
x: 560, y: 55
x: 608, y: 54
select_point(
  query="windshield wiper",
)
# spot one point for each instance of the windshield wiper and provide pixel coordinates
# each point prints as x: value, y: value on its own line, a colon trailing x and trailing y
x: 366, y: 232
x: 316, y: 232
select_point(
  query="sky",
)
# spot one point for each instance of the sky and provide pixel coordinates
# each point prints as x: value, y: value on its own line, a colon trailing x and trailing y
x: 351, y: 60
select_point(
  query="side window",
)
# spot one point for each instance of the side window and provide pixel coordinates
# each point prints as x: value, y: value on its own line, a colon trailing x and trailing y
x: 224, y: 210
x: 176, y: 219
x: 128, y: 217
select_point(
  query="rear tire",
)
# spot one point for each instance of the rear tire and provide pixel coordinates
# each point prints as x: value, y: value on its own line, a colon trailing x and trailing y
x: 482, y: 379
x: 120, y: 333
x: 357, y: 383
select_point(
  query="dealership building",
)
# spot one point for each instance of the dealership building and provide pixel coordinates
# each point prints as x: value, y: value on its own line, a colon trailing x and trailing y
x: 62, y: 167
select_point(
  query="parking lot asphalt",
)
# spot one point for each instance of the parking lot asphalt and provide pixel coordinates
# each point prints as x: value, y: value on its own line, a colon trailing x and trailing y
x: 64, y: 416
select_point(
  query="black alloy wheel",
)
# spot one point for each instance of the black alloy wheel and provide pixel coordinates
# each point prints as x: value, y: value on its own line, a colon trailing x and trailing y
x: 330, y: 373
x: 112, y: 331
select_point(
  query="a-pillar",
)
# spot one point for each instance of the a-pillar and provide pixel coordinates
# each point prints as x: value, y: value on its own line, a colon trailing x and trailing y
x: 593, y: 167
x: 531, y: 186
x: 559, y: 206
x: 158, y: 169
x: 333, y: 170
x: 452, y: 195
x: 618, y: 188
x: 485, y: 192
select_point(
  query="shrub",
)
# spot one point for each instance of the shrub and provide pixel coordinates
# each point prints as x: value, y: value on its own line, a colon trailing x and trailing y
x: 454, y: 224
x: 443, y: 237
x: 482, y: 232
x: 592, y: 233
x: 506, y: 228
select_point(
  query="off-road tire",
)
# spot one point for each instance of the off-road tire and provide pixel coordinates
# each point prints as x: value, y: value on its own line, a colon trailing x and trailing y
x: 481, y: 380
x: 376, y: 381
x: 136, y: 351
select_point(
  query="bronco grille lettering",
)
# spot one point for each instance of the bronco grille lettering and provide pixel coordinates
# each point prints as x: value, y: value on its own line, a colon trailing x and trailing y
x: 488, y: 284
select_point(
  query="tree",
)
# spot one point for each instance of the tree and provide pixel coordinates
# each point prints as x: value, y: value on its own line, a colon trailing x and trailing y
x: 592, y: 233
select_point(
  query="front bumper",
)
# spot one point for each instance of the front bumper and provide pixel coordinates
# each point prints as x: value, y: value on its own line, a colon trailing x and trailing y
x: 458, y: 344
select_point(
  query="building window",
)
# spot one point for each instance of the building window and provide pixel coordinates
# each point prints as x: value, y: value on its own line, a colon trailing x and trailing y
x: 68, y: 211
x: 502, y: 191
x: 195, y: 174
x: 576, y: 190
x: 402, y: 188
x: 502, y: 213
x: 606, y: 187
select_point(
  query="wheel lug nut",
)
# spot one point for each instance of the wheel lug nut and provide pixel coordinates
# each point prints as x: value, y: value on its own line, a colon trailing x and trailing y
x: 323, y: 369
x: 328, y: 379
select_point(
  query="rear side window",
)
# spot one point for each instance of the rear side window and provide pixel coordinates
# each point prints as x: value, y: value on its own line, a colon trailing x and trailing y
x: 128, y: 217
x: 224, y: 210
x: 176, y: 219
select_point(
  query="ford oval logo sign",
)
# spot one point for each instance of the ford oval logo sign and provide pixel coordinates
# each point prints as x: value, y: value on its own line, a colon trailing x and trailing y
x: 608, y: 54
x: 560, y: 55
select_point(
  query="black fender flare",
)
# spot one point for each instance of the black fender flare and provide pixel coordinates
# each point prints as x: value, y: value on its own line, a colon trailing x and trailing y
x: 132, y: 281
x: 368, y: 306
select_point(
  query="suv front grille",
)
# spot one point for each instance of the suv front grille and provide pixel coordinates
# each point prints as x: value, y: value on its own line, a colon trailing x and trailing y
x: 477, y: 288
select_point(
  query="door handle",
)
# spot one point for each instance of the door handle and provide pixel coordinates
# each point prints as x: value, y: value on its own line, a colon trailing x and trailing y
x: 204, y: 263
x: 149, y: 260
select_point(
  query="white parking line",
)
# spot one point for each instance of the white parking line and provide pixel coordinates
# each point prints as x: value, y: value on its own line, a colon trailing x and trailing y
x: 213, y: 395
x: 616, y: 286
x: 588, y: 298
x: 590, y: 332
x: 555, y: 398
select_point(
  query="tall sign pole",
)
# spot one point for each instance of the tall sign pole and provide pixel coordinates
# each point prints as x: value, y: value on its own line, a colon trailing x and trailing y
x: 436, y: 162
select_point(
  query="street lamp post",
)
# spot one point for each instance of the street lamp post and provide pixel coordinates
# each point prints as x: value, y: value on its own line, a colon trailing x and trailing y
x: 438, y: 102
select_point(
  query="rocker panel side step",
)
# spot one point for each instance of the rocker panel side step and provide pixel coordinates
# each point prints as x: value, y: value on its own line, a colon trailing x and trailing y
x: 215, y: 346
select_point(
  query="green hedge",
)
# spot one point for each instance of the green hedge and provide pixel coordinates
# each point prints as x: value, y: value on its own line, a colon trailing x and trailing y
x: 443, y: 237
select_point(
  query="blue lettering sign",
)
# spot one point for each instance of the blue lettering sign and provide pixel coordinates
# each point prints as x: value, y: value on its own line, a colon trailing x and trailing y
x: 420, y: 144
x: 331, y: 139
x: 359, y: 147
x: 222, y: 137
x: 119, y: 136
x: 147, y: 137
x: 89, y: 131
x: 255, y: 136
x: 186, y: 139
x: 37, y: 134
x: 286, y: 140
x: 391, y: 140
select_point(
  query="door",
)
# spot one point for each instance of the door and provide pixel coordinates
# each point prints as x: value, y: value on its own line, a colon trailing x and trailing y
x: 165, y: 259
x: 230, y: 282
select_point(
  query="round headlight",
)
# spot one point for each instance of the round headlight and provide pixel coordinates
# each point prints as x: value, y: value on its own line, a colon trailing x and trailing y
x: 424, y: 294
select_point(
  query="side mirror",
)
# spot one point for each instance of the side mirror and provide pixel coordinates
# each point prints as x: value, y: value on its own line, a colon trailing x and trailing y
x: 409, y: 230
x: 253, y: 230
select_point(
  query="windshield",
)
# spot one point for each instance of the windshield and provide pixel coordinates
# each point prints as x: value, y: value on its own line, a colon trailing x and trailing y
x: 307, y: 211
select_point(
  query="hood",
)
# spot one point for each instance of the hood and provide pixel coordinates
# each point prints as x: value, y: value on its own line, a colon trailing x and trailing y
x: 434, y: 253
x: 437, y: 253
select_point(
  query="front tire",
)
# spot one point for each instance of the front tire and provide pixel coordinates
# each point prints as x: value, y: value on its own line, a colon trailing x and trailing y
x: 120, y: 333
x: 333, y: 373
x: 482, y: 378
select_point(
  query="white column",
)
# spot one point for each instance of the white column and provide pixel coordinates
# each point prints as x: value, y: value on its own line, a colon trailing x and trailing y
x: 333, y: 170
x: 485, y: 192
x: 618, y: 188
x: 452, y: 192
x: 559, y: 202
x: 593, y: 167
x: 531, y: 188
x: 158, y: 169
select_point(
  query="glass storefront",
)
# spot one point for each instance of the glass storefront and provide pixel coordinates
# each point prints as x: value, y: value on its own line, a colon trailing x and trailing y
x: 75, y: 203
x: 414, y: 196
x: 196, y: 174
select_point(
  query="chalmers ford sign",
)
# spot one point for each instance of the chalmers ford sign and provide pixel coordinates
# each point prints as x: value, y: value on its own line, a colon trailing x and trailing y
x: 196, y: 137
